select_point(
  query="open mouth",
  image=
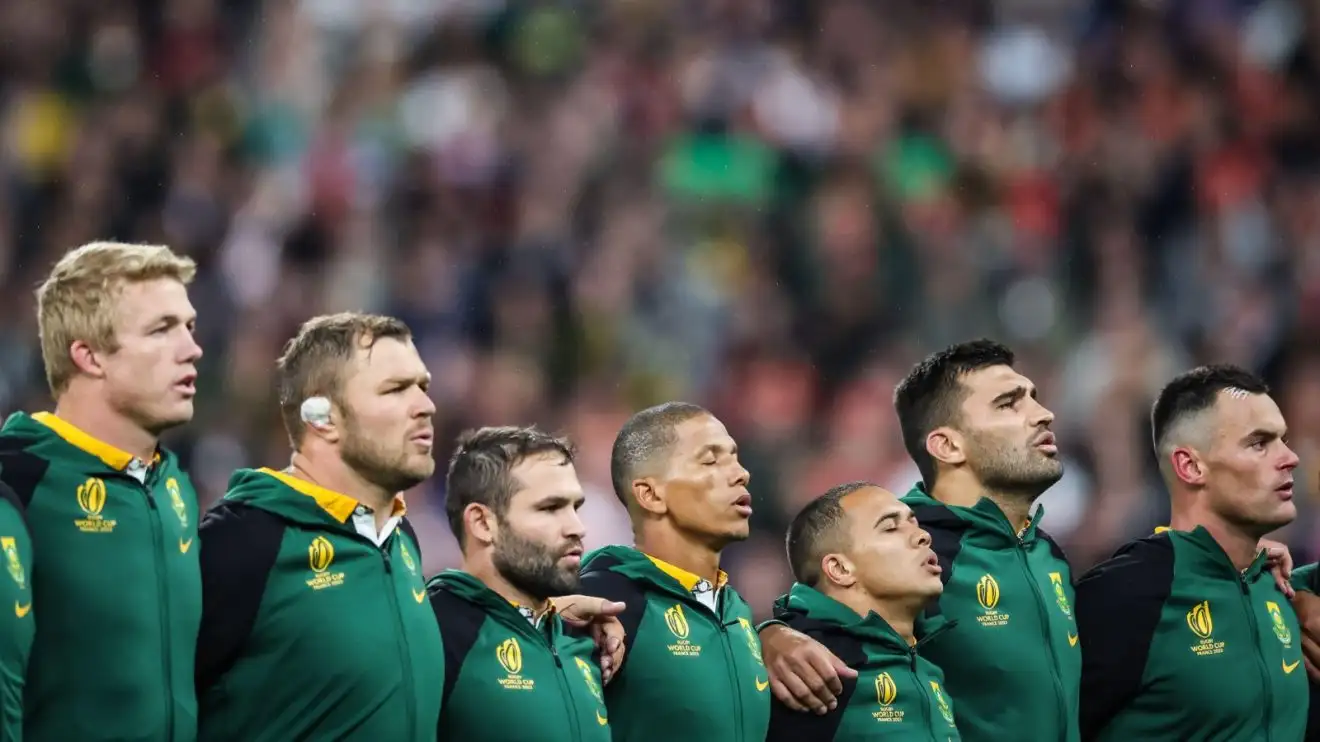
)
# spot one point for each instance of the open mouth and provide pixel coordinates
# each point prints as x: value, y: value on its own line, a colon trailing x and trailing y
x: 933, y: 564
x: 187, y: 384
x: 573, y: 555
x: 1046, y: 443
x: 743, y: 505
x: 1285, y: 490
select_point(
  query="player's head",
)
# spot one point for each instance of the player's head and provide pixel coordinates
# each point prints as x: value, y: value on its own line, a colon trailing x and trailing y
x: 354, y: 383
x: 676, y: 463
x: 115, y: 322
x: 860, y: 538
x: 514, y: 494
x: 1220, y: 437
x: 966, y: 408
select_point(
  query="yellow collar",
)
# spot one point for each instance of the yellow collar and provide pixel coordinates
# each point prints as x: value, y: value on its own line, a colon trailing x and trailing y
x: 685, y: 578
x: 110, y: 455
x: 340, y: 506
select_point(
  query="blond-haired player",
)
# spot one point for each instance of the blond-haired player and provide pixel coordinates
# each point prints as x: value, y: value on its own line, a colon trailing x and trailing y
x: 113, y: 519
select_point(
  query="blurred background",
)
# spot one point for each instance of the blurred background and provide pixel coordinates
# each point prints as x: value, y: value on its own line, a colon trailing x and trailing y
x: 770, y: 207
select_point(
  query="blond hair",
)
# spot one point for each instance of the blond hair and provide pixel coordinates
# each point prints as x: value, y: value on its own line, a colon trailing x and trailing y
x: 313, y: 361
x: 77, y: 301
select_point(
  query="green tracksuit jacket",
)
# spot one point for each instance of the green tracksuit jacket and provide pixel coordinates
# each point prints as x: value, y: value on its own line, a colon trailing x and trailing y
x: 691, y: 673
x: 897, y: 696
x: 17, y: 625
x: 311, y: 631
x: 1307, y: 578
x: 507, y: 680
x: 1180, y: 645
x: 1013, y: 666
x: 120, y: 592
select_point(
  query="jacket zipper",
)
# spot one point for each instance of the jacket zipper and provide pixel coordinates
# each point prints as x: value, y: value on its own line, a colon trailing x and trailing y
x: 163, y: 586
x: 1260, y: 655
x: 735, y: 685
x: 1045, y: 626
x: 574, y: 722
x: 404, y: 653
x: 926, y: 717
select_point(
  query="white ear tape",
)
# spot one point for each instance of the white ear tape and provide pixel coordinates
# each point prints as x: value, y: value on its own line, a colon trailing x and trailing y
x: 315, y: 411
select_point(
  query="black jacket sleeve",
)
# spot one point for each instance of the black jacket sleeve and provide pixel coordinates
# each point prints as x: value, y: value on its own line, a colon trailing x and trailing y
x: 460, y: 623
x: 238, y: 549
x: 1118, y: 610
x: 787, y: 725
x: 614, y: 586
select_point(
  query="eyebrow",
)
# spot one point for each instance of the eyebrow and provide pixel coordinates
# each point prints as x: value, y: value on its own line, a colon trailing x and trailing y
x: 1262, y: 434
x: 715, y: 448
x: 1014, y: 394
x: 893, y: 515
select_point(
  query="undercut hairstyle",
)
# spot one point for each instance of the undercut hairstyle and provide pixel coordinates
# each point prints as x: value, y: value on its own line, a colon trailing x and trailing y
x: 1193, y: 392
x: 481, y: 468
x: 648, y: 436
x: 77, y: 300
x: 817, y: 530
x: 932, y: 393
x: 314, y: 360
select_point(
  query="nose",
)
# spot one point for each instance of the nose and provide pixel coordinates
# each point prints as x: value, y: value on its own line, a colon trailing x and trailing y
x: 426, y: 408
x: 192, y: 351
x: 923, y: 538
x: 741, y: 475
x: 575, y: 529
x: 1290, y: 459
x: 1043, y: 417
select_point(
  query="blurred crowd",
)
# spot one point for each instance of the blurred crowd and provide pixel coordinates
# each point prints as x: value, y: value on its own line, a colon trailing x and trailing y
x: 769, y: 207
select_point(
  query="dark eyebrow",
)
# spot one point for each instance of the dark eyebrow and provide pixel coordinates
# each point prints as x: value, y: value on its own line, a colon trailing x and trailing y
x: 1261, y: 434
x: 893, y: 515
x: 1014, y: 394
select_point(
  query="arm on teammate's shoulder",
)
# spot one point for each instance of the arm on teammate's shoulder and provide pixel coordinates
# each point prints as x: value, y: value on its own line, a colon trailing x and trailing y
x: 239, y: 545
x: 1118, y: 610
x: 789, y: 721
x: 614, y: 586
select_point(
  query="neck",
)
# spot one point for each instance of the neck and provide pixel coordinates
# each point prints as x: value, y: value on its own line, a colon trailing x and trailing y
x: 952, y: 488
x: 89, y: 412
x: 681, y: 550
x: 1240, y: 545
x: 328, y: 470
x: 483, y: 568
x: 901, y: 615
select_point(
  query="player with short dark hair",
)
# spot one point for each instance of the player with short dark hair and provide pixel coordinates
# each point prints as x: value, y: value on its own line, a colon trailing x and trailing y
x: 865, y: 572
x: 512, y: 501
x: 1185, y: 635
x: 693, y: 668
x: 983, y: 443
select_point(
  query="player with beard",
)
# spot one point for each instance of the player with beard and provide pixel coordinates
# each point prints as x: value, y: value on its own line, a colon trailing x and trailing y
x: 112, y: 518
x: 693, y: 669
x: 315, y: 620
x: 983, y: 445
x: 1185, y: 636
x: 514, y: 670
x: 315, y: 623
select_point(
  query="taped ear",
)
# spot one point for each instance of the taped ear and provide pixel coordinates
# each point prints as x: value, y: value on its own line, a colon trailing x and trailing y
x: 315, y: 411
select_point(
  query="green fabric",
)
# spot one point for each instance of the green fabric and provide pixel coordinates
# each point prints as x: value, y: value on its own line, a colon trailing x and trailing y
x: 333, y: 600
x: 691, y: 674
x: 899, y: 693
x: 18, y: 625
x: 518, y: 681
x: 1013, y: 667
x: 121, y: 592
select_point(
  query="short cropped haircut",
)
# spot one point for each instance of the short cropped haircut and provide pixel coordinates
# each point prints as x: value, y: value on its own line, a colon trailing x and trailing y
x: 1195, y: 391
x: 481, y: 469
x: 645, y: 437
x: 817, y: 530
x: 314, y: 360
x: 932, y: 393
x: 77, y: 300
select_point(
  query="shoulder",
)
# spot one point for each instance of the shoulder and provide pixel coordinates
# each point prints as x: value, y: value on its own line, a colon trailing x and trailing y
x: 460, y: 620
x: 847, y: 647
x: 238, y: 541
x: 601, y: 581
x: 20, y: 467
x: 1139, y: 569
x: 229, y: 517
x: 1055, y: 550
